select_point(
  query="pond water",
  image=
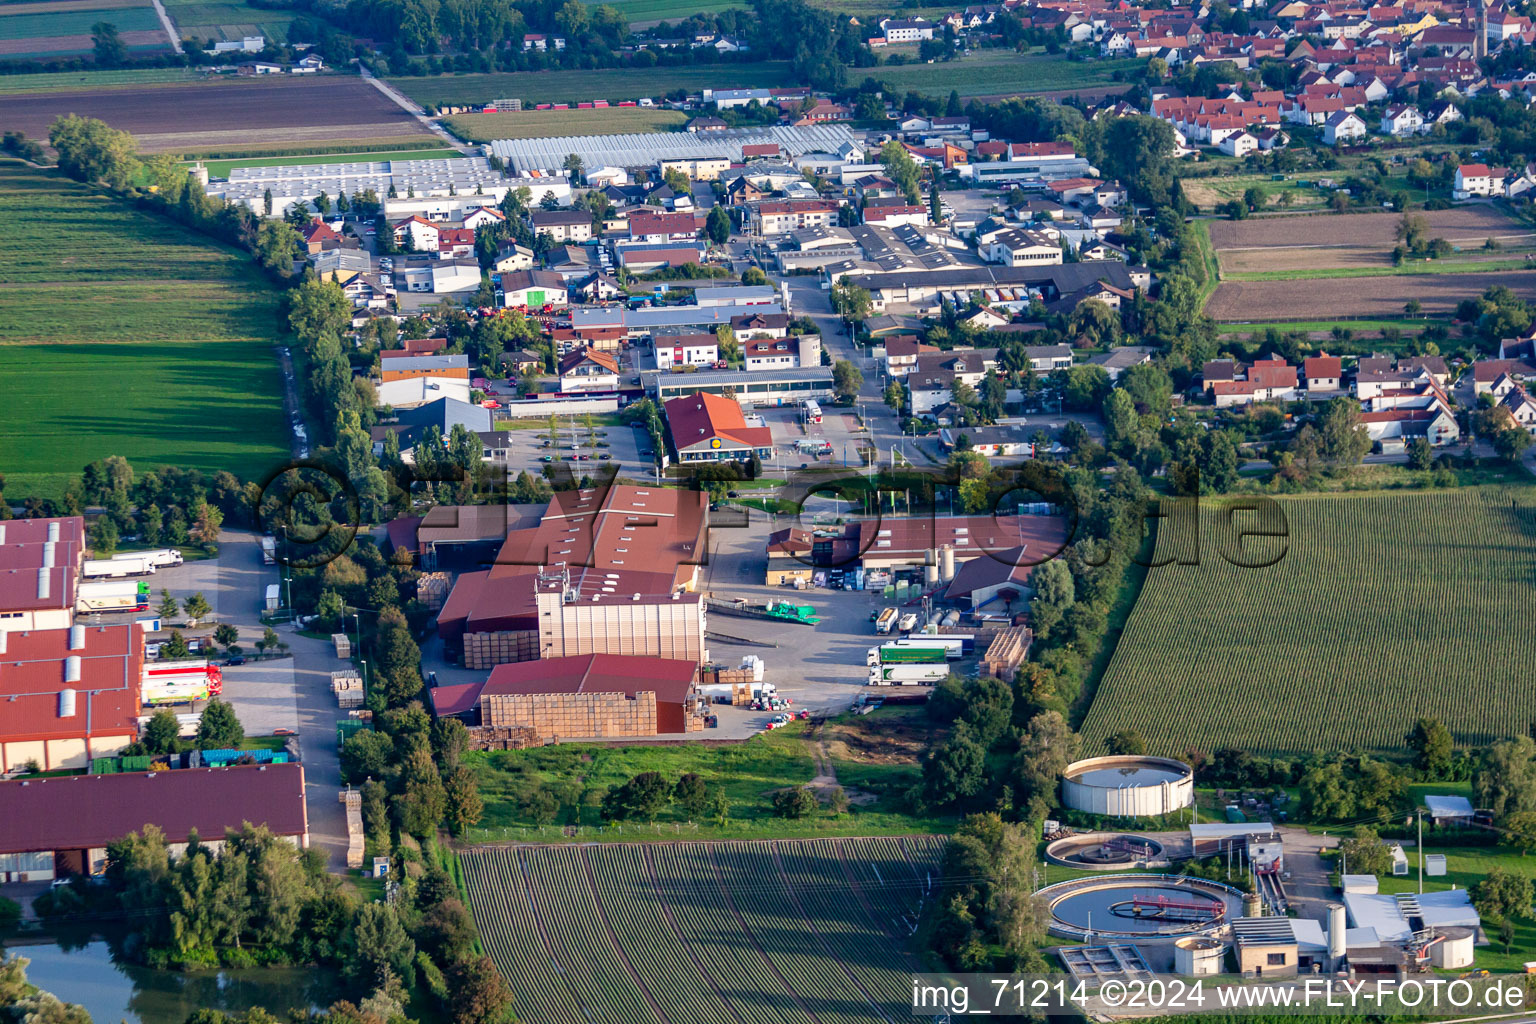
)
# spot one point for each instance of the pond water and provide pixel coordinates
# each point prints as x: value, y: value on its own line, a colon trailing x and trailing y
x: 112, y: 991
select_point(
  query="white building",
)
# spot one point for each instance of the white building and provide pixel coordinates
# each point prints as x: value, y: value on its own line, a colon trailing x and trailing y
x: 906, y: 30
x: 1238, y: 144
x: 1342, y: 127
x: 1023, y: 248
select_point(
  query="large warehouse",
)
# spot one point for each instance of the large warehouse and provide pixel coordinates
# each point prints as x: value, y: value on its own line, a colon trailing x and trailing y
x: 68, y: 695
x: 436, y: 189
x: 647, y: 150
x: 62, y: 825
x: 928, y: 548
x: 604, y: 571
x: 39, y: 563
x: 581, y: 697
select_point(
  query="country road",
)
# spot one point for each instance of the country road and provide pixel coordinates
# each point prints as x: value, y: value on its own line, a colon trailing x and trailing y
x: 405, y: 103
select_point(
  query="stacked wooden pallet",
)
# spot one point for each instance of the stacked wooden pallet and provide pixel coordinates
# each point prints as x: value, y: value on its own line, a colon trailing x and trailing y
x: 557, y: 715
x: 487, y: 650
x: 347, y: 685
x: 432, y: 589
x: 353, y: 800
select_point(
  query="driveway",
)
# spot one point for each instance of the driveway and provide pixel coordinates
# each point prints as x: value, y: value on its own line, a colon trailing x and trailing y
x: 317, y: 713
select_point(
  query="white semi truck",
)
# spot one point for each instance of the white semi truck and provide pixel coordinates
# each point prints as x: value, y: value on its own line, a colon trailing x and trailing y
x: 161, y: 558
x: 907, y: 675
x: 112, y: 596
x: 116, y: 568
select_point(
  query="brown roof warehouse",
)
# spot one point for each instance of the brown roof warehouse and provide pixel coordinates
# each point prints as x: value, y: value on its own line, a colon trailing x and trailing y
x: 582, y: 697
x: 62, y: 825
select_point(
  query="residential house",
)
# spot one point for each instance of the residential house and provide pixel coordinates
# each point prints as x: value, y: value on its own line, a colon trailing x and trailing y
x: 1478, y: 180
x: 750, y: 326
x: 1343, y: 127
x: 782, y: 217
x: 1238, y: 144
x: 906, y: 30
x: 673, y: 350
x: 1324, y: 375
x: 1117, y: 360
x: 533, y: 289
x: 542, y: 43
x: 901, y: 352
x: 1267, y: 380
x: 587, y: 369
x: 1401, y: 119
x: 1023, y: 248
x: 511, y: 256
x: 782, y: 353
x: 562, y: 225
x: 420, y: 233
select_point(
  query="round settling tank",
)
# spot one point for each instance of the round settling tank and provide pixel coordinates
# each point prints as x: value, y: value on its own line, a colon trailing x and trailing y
x: 1194, y: 957
x: 1140, y: 906
x: 1128, y: 786
x: 1454, y: 950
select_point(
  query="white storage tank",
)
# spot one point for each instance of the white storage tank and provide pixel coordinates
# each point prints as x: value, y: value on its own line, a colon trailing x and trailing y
x: 1128, y: 786
x: 947, y: 562
x: 1197, y: 956
x: 1454, y: 950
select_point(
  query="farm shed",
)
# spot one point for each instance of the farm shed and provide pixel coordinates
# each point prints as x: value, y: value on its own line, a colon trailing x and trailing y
x: 62, y: 825
x: 1449, y: 810
x: 586, y: 696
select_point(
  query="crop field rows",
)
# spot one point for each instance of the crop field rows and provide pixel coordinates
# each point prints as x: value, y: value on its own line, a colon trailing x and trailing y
x: 772, y: 932
x: 1282, y: 660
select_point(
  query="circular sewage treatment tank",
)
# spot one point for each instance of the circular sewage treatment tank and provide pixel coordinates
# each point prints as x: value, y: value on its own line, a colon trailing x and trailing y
x: 1127, y: 786
x: 1141, y: 905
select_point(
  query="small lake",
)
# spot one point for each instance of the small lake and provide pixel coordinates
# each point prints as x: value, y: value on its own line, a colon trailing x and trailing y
x: 113, y: 992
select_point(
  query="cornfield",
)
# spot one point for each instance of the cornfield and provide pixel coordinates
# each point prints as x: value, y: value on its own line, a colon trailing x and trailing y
x: 1385, y: 607
x: 777, y: 932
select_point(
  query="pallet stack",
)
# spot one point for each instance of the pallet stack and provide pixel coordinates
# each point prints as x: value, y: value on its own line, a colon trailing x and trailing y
x: 343, y: 644
x: 347, y: 685
x: 583, y: 715
x: 432, y: 589
x: 353, y: 800
x: 1007, y: 652
x: 503, y: 738
x: 487, y: 650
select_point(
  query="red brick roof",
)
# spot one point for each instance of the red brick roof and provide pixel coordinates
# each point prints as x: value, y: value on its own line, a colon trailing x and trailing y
x: 1322, y: 366
x: 23, y: 551
x: 33, y: 672
x: 575, y: 359
x: 75, y: 812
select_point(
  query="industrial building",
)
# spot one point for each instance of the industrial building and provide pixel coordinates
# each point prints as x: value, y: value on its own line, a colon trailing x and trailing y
x: 921, y: 291
x: 928, y: 549
x: 593, y: 696
x: 68, y: 695
x: 441, y: 190
x: 761, y: 387
x: 603, y: 571
x: 709, y: 428
x: 39, y: 565
x: 638, y: 322
x: 651, y: 149
x: 62, y: 825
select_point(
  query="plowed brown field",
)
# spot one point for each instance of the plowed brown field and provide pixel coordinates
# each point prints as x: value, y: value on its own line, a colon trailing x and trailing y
x: 1351, y: 240
x: 1321, y: 298
x: 233, y: 113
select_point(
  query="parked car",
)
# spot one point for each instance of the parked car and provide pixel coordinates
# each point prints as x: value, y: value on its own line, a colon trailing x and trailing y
x: 733, y: 494
x: 604, y: 457
x: 283, y: 731
x: 235, y: 660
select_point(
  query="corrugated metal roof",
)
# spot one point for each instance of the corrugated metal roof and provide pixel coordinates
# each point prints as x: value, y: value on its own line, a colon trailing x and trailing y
x: 650, y: 148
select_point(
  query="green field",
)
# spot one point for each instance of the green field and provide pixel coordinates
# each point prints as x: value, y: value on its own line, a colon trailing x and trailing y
x: 668, y: 10
x: 1383, y: 608
x: 76, y: 23
x: 579, y: 86
x: 532, y: 124
x: 124, y: 334
x: 65, y: 81
x: 747, y: 772
x: 197, y: 20
x: 1466, y: 866
x: 992, y: 72
x: 760, y: 933
x: 1406, y: 326
x: 221, y: 168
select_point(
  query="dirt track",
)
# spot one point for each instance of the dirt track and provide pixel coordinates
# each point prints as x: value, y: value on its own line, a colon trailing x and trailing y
x: 227, y: 112
x: 1321, y: 298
